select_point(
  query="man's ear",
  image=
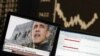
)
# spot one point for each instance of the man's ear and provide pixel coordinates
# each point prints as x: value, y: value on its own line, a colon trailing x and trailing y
x: 48, y: 34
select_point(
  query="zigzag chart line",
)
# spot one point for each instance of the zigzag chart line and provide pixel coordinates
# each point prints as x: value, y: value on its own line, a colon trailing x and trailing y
x: 74, y: 20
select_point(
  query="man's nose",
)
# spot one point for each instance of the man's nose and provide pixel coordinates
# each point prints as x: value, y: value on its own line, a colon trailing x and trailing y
x: 37, y: 29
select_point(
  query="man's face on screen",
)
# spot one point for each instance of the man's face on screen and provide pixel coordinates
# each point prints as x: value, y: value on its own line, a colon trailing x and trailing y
x: 39, y: 32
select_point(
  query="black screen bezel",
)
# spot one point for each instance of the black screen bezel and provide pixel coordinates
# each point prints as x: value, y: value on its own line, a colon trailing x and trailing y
x: 30, y: 18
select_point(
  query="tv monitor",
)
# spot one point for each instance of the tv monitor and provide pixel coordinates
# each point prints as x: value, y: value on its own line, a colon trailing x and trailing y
x: 77, y: 43
x: 28, y: 36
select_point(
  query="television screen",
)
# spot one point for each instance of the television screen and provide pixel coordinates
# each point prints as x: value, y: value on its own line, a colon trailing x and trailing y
x: 28, y: 36
x: 77, y: 44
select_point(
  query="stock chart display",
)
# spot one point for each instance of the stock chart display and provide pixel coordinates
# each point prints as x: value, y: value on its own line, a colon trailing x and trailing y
x: 79, y: 15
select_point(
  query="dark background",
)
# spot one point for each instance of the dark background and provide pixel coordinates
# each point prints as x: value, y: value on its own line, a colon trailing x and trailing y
x: 85, y: 8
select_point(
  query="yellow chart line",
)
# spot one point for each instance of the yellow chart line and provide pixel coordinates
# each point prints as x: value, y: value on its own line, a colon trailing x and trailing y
x: 76, y: 20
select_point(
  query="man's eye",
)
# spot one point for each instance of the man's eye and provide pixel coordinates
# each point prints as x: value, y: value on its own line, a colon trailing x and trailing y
x: 35, y: 26
x: 42, y: 26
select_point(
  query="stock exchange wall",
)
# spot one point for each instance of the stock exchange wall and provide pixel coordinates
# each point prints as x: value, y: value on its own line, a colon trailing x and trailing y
x: 79, y: 15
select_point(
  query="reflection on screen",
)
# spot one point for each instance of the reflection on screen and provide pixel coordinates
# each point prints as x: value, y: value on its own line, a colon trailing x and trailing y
x: 29, y: 37
x: 76, y: 44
